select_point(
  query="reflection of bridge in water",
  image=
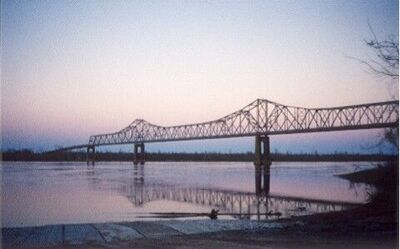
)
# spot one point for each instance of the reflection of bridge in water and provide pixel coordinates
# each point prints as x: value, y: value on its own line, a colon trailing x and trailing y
x: 260, y: 119
x: 244, y: 204
x: 241, y: 204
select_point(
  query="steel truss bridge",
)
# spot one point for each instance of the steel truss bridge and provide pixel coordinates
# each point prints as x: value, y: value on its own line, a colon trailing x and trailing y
x: 260, y: 118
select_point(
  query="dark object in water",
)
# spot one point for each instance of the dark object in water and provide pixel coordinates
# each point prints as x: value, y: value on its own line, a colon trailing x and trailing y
x: 214, y: 214
x: 278, y: 214
x: 299, y: 209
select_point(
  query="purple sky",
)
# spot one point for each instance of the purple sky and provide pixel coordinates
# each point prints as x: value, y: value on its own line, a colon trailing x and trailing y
x: 71, y: 69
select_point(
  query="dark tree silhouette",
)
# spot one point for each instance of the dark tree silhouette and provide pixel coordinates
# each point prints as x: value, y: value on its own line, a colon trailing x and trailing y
x: 386, y: 62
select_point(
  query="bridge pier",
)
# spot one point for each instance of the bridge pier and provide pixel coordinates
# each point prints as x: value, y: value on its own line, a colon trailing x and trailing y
x: 138, y: 153
x: 91, y: 155
x: 262, y: 163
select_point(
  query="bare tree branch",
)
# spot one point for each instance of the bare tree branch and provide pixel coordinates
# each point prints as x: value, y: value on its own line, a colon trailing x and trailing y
x: 387, y: 53
x: 386, y: 64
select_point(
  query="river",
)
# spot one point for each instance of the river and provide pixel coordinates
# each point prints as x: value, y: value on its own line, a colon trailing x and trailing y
x: 41, y: 193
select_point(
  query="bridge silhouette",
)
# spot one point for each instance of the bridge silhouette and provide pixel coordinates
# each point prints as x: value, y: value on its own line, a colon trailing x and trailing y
x: 261, y: 118
x: 241, y: 204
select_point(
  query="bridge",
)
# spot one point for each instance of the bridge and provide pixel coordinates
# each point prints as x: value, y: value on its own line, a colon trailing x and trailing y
x: 242, y: 204
x: 261, y: 118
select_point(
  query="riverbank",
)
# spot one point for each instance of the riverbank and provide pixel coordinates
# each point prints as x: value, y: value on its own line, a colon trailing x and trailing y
x: 262, y: 239
x: 385, y: 178
x: 103, y: 234
x: 331, y: 230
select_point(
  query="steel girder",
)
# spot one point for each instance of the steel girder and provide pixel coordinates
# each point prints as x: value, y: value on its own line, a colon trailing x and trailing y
x: 261, y: 117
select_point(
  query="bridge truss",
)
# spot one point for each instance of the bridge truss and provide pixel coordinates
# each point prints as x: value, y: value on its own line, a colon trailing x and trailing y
x: 261, y: 117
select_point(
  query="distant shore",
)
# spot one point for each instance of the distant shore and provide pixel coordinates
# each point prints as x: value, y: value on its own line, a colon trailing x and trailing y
x: 27, y: 155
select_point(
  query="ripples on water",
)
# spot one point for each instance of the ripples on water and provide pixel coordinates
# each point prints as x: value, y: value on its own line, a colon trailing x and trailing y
x: 39, y: 193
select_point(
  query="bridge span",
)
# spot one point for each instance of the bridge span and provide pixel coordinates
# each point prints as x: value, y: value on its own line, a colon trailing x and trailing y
x: 261, y: 118
x: 242, y: 204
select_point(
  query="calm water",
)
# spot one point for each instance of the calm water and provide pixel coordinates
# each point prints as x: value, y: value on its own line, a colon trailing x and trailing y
x: 42, y: 193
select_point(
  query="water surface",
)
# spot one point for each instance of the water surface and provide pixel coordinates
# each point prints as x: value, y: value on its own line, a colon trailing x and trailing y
x: 40, y: 193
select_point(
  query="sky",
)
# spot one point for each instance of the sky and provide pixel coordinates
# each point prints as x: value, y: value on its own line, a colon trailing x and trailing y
x: 71, y: 69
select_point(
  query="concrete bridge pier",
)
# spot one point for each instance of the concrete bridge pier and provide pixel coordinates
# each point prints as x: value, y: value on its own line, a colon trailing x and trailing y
x: 91, y: 155
x: 138, y: 154
x: 262, y: 163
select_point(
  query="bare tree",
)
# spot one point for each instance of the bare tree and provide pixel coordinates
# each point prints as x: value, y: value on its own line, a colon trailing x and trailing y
x: 385, y: 64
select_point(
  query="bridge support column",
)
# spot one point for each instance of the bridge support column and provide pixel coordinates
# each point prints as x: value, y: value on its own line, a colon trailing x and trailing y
x: 138, y: 154
x: 91, y: 155
x: 262, y: 163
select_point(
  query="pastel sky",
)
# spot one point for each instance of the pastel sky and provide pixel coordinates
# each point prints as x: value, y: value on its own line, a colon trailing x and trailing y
x: 71, y: 69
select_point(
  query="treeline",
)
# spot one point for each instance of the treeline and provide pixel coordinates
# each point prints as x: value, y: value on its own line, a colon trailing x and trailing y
x: 27, y: 155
